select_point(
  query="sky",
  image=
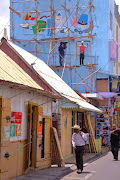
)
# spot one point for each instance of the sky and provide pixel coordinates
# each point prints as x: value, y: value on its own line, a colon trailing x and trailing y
x: 4, y: 15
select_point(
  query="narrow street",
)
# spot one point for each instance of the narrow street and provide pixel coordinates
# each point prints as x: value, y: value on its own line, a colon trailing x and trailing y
x: 104, y: 168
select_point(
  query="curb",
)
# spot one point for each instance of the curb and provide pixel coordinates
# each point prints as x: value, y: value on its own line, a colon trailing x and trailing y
x: 92, y: 159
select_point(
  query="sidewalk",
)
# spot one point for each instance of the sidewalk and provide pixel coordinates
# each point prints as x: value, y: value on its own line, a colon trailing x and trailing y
x: 54, y: 172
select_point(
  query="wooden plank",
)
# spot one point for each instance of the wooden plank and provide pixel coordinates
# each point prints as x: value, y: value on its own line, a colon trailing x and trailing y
x: 34, y: 136
x: 21, y: 158
x: 65, y: 8
x: 5, y: 111
x: 4, y: 176
x: 91, y: 132
x: 4, y: 161
x: 47, y: 138
x: 59, y: 158
x: 14, y: 11
x: 13, y: 160
x: 29, y: 126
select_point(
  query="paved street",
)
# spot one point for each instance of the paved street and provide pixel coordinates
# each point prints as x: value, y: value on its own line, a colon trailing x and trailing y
x: 104, y: 168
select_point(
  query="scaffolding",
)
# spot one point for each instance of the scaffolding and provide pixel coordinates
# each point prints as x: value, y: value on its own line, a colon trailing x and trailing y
x: 54, y: 40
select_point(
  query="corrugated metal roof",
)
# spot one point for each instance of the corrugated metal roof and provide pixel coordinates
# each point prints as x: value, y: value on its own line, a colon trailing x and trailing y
x: 10, y: 71
x: 53, y: 79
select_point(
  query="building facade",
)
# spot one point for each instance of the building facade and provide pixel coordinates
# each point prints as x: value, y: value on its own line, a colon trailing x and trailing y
x: 41, y: 31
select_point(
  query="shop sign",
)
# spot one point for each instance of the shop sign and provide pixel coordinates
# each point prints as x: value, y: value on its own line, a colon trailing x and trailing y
x: 117, y: 109
x: 16, y: 118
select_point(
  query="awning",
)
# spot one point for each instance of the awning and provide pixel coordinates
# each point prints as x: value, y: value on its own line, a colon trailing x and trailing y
x: 107, y: 94
x: 92, y: 96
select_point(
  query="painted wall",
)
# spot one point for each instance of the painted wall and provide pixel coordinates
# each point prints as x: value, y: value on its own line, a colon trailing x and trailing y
x: 100, y: 44
x: 19, y: 103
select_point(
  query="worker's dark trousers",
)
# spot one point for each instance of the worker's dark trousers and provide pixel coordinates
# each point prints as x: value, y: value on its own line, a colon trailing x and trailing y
x: 115, y: 150
x: 61, y: 59
x: 81, y: 58
x: 79, y: 157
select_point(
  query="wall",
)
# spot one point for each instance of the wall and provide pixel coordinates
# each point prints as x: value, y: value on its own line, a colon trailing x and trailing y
x: 117, y: 39
x: 66, y: 132
x: 17, y: 145
x: 19, y: 103
x: 102, y: 86
x: 100, y: 43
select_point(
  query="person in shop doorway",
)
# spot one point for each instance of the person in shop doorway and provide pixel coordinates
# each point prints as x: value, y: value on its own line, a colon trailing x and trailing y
x: 114, y: 139
x: 78, y: 143
x: 84, y: 129
x: 82, y: 52
x: 61, y: 53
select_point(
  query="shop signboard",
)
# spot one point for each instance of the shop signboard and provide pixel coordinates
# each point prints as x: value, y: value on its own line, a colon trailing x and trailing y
x: 117, y: 109
x: 16, y: 118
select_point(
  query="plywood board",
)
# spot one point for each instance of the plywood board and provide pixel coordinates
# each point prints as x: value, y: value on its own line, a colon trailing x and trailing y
x: 66, y: 132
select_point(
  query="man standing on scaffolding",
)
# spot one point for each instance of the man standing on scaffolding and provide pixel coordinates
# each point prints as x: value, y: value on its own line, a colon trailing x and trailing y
x: 82, y: 51
x: 61, y: 53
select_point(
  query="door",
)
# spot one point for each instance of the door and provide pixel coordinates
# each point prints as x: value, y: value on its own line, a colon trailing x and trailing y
x: 39, y: 138
x: 5, y: 114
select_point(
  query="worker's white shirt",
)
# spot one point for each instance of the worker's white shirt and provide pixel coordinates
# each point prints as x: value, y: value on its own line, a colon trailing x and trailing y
x: 78, y: 140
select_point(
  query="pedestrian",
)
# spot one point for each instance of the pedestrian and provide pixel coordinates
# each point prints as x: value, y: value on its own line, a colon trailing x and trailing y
x: 84, y: 129
x: 82, y: 52
x: 114, y: 139
x: 78, y: 142
x: 61, y: 53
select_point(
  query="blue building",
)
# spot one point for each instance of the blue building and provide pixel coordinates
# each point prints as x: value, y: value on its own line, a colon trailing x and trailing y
x: 40, y: 26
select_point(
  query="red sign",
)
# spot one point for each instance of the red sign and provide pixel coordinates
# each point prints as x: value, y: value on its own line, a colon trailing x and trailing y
x: 117, y: 109
x: 16, y: 117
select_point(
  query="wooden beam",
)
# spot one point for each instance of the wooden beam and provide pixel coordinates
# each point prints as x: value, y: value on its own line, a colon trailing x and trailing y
x: 36, y: 41
x: 14, y: 11
x: 71, y: 38
x: 65, y: 8
x: 15, y: 40
x: 87, y: 78
x: 91, y: 36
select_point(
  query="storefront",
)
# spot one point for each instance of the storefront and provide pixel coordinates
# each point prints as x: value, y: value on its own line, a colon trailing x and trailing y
x: 25, y: 132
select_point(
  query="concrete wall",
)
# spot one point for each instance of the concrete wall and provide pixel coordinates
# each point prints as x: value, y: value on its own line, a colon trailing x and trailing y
x: 100, y: 43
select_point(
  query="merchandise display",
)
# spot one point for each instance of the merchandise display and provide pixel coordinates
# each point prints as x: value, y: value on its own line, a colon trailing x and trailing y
x: 103, y: 130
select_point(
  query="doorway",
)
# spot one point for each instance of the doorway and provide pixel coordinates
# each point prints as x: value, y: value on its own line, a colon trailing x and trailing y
x: 32, y: 135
